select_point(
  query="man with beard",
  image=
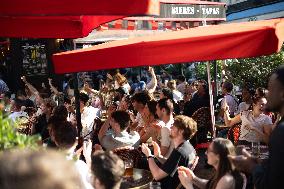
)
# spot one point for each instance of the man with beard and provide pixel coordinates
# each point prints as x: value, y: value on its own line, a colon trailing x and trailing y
x: 270, y: 173
x: 165, y: 171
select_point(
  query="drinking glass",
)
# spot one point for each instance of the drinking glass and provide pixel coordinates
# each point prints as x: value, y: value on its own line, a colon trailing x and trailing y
x: 255, y: 148
x: 128, y: 164
x: 155, y: 185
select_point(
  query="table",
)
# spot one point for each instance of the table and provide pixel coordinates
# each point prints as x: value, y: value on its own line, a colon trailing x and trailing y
x: 263, y: 151
x: 140, y: 179
x: 220, y: 126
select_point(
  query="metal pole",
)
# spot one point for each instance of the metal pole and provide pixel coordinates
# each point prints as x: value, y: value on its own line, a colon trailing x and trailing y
x: 215, y: 82
x: 77, y: 101
x: 211, y: 100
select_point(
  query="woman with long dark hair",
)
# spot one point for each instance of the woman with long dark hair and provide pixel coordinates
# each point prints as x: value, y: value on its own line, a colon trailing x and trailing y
x: 225, y: 177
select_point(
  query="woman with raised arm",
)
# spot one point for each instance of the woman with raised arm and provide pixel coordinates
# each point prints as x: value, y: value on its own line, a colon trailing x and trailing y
x: 256, y: 126
x: 152, y: 85
x: 33, y: 92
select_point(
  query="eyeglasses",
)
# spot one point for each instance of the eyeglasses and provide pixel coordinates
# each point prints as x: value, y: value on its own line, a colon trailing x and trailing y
x: 209, y: 150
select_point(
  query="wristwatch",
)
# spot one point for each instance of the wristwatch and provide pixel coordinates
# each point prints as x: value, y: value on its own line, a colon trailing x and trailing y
x: 151, y: 156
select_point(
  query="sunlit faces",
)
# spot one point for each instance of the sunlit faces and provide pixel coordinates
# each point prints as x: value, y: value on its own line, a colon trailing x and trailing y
x: 212, y: 157
x: 43, y: 108
x: 123, y: 104
x: 260, y: 105
x: 137, y: 106
x: 174, y: 132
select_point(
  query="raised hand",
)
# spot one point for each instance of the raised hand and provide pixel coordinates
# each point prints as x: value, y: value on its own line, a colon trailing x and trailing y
x: 24, y: 79
x: 186, y: 176
x: 157, y: 149
x: 145, y: 150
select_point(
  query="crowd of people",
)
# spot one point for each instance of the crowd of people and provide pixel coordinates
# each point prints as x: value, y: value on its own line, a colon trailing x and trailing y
x: 136, y: 115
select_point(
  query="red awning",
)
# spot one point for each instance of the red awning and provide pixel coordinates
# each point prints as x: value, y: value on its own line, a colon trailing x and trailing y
x: 191, y: 2
x: 238, y: 40
x: 75, y: 7
x: 51, y: 26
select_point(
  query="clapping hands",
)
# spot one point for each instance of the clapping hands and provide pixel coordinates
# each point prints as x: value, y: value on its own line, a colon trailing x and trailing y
x: 186, y: 177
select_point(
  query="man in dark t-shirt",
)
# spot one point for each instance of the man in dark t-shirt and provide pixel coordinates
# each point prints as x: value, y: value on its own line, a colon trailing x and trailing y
x: 165, y: 170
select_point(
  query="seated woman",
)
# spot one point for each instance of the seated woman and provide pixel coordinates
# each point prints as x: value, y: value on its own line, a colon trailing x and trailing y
x: 256, y: 126
x: 225, y: 177
x: 152, y: 126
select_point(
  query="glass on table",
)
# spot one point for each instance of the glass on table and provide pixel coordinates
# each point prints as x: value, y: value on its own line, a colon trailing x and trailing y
x: 128, y: 164
x: 155, y: 185
x: 255, y: 148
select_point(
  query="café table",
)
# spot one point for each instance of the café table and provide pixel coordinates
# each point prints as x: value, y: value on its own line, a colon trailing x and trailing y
x: 261, y: 154
x: 140, y: 179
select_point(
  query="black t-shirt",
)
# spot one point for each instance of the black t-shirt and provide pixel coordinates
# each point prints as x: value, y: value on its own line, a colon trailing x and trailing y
x: 195, y: 103
x: 41, y: 127
x: 180, y: 156
x: 270, y: 174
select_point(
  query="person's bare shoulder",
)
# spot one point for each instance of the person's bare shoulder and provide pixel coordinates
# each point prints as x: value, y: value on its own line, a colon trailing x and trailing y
x: 226, y: 182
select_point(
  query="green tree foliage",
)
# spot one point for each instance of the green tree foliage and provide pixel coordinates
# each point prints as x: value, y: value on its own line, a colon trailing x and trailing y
x: 254, y: 71
x: 201, y: 70
x: 10, y: 138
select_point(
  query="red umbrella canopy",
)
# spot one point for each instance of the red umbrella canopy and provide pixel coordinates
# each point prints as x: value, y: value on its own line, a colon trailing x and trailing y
x: 238, y: 40
x: 51, y: 26
x: 81, y: 7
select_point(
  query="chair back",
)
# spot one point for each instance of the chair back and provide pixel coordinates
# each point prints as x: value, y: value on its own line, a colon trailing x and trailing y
x: 128, y: 152
x: 234, y: 133
x: 204, y: 125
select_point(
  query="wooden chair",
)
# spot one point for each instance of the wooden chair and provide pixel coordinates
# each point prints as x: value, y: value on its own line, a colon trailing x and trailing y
x: 234, y: 133
x: 129, y: 153
x: 204, y: 125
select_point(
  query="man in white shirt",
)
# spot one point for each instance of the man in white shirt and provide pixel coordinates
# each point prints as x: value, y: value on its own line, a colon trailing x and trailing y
x: 117, y: 136
x: 231, y: 100
x: 164, y: 111
x: 17, y: 113
x: 64, y: 135
x: 88, y: 115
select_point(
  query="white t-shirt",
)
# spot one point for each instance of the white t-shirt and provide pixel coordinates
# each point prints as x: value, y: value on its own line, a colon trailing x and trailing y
x: 177, y: 95
x: 243, y: 106
x: 87, y: 118
x: 83, y: 171
x: 18, y: 115
x: 231, y: 102
x: 247, y: 118
x: 165, y: 133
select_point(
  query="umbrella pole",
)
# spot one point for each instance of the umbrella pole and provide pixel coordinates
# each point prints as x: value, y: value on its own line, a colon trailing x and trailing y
x: 215, y: 83
x: 77, y: 101
x: 211, y: 100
